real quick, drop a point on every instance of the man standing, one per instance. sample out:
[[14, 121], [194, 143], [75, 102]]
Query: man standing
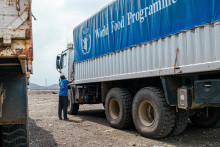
[[63, 97]]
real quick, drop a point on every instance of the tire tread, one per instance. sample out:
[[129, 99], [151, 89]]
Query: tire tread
[[169, 113], [181, 122], [127, 103], [14, 135]]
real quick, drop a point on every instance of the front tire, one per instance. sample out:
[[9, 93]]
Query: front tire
[[118, 108], [72, 109], [152, 116]]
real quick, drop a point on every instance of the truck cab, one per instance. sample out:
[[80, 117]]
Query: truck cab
[[64, 62]]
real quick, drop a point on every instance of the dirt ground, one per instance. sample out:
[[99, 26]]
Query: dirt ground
[[90, 128]]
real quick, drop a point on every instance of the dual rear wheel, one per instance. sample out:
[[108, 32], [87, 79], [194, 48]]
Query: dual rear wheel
[[152, 116], [148, 110]]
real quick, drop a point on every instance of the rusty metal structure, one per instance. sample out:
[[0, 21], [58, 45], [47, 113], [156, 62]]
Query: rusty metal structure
[[16, 32], [16, 56]]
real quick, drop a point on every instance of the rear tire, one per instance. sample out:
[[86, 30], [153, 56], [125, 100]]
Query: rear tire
[[118, 108], [152, 116], [14, 135], [201, 119], [182, 118], [72, 109]]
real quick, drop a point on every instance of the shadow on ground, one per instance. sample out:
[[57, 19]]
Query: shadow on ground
[[40, 137], [192, 136], [98, 116]]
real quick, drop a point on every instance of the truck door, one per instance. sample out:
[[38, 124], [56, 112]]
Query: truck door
[[64, 64]]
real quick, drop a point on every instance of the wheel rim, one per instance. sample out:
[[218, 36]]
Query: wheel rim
[[114, 108], [146, 113]]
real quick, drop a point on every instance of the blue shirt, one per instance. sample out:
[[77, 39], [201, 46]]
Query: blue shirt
[[63, 87]]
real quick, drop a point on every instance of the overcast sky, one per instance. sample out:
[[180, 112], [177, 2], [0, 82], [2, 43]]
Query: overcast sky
[[56, 20]]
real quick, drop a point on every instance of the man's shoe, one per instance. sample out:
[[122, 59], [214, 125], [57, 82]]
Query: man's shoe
[[60, 118], [66, 118]]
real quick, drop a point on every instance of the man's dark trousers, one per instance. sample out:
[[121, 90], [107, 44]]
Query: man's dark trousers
[[63, 104]]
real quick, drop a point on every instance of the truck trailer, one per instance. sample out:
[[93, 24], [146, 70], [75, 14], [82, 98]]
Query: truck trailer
[[152, 63], [16, 55]]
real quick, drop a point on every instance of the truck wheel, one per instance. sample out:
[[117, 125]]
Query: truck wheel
[[152, 116], [118, 108], [14, 135], [72, 108], [207, 119], [181, 122]]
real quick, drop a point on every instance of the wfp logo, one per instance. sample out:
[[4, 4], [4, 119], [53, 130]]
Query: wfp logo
[[86, 41]]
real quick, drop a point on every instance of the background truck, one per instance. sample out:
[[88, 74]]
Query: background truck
[[152, 63], [16, 55]]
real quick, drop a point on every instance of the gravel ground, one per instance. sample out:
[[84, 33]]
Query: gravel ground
[[90, 129]]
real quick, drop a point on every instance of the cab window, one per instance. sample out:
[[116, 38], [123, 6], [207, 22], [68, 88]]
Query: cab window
[[64, 61]]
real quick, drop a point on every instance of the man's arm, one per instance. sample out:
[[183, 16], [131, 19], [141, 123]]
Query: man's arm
[[71, 80]]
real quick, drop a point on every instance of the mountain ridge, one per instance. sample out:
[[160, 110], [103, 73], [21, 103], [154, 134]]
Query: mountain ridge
[[33, 86]]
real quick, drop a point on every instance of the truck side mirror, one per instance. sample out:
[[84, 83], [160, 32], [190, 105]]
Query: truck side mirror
[[58, 63]]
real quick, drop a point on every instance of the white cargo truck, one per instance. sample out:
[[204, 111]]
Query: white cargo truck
[[16, 55], [155, 63]]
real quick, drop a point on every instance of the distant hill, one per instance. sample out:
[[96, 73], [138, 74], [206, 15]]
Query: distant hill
[[33, 86], [53, 87]]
